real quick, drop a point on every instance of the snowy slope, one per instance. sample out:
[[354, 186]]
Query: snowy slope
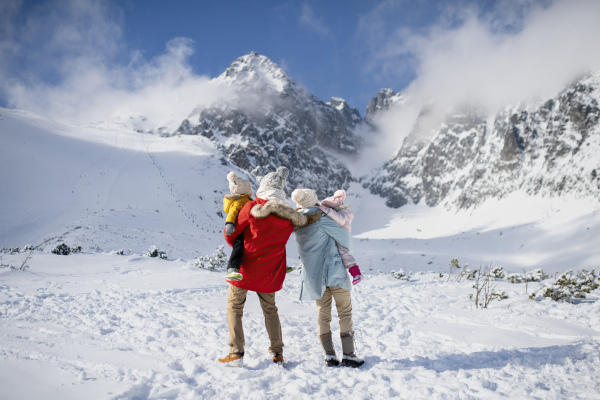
[[105, 189]]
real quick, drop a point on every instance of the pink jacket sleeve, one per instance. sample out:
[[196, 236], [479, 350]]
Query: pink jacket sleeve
[[343, 217]]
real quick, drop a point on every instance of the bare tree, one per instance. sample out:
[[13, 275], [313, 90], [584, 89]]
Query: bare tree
[[485, 289]]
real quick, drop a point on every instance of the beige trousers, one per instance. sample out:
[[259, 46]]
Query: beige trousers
[[236, 298], [343, 304]]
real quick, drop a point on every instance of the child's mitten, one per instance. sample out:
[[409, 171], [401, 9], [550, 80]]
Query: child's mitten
[[229, 228], [356, 275]]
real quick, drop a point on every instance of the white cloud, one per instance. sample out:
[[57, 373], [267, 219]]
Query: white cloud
[[530, 50], [75, 68], [312, 22]]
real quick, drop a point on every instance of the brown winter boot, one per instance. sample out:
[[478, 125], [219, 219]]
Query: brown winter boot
[[330, 357], [349, 359], [233, 359], [278, 358]]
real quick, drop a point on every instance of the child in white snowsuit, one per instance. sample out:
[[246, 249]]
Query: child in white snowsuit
[[241, 192], [335, 209]]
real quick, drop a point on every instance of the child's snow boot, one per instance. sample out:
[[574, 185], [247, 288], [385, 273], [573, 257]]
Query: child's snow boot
[[233, 275], [331, 359], [349, 359], [352, 361]]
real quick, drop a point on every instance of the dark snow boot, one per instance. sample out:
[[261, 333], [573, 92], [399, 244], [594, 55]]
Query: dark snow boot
[[331, 359], [352, 361], [349, 359]]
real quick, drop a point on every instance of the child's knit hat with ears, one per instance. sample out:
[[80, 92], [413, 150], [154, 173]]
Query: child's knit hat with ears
[[336, 200], [305, 198], [239, 185]]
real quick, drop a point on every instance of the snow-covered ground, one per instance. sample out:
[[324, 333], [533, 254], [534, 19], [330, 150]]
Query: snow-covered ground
[[129, 327], [103, 325]]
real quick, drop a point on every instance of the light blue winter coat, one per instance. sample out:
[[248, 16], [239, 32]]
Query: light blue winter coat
[[321, 262]]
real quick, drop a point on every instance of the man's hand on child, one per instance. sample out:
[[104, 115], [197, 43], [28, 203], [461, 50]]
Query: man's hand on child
[[229, 228]]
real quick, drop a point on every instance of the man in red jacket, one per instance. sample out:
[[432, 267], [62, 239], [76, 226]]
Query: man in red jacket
[[267, 224]]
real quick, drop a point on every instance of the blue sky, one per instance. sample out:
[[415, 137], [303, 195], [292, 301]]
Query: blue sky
[[55, 55], [321, 44]]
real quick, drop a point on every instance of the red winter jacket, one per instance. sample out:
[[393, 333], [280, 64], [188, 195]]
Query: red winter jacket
[[267, 226]]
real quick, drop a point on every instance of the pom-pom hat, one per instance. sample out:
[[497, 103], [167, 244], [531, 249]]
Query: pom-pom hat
[[305, 198], [239, 185], [271, 185]]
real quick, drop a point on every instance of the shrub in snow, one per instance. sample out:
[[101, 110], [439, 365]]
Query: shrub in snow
[[64, 250], [453, 266], [537, 275], [498, 273], [400, 274], [155, 252], [24, 263], [569, 285], [218, 260], [16, 250], [465, 272], [485, 290], [515, 278]]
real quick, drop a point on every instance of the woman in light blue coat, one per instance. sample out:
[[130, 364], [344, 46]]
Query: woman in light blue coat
[[324, 276]]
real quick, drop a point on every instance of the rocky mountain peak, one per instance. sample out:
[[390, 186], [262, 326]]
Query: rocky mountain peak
[[254, 71], [385, 99], [351, 114], [272, 121]]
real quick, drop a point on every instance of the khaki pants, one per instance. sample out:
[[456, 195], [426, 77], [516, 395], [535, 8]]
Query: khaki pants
[[343, 304], [236, 299]]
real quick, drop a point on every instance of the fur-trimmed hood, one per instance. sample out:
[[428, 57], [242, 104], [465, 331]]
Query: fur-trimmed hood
[[285, 211]]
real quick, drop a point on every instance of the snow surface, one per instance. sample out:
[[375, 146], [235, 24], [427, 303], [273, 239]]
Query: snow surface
[[103, 325], [129, 327]]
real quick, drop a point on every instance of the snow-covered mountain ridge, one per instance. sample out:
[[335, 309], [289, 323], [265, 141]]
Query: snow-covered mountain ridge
[[264, 119], [550, 150], [272, 121], [269, 120]]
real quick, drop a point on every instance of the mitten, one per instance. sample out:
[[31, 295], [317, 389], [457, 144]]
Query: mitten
[[325, 209], [229, 228], [356, 275]]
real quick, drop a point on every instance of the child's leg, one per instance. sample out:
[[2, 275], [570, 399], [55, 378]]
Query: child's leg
[[235, 260], [347, 258]]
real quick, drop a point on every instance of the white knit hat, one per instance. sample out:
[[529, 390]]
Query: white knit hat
[[239, 185], [271, 185], [305, 198]]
